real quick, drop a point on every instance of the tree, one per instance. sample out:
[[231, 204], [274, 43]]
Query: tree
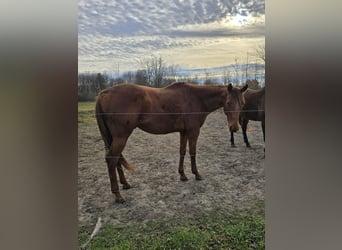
[[157, 73], [141, 77], [260, 52], [170, 74], [128, 76], [100, 82], [89, 84], [260, 55], [208, 79], [226, 77], [237, 69], [246, 66], [154, 70]]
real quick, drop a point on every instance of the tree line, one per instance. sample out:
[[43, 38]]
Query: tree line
[[155, 72]]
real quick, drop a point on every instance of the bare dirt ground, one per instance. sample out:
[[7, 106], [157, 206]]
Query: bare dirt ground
[[233, 178]]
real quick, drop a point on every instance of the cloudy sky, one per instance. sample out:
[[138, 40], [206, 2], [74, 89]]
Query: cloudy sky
[[188, 33]]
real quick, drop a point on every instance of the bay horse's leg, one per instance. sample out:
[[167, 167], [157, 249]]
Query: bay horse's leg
[[112, 159], [244, 131], [123, 181], [232, 144], [182, 152], [192, 150]]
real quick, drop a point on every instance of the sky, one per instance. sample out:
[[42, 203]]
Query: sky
[[191, 34]]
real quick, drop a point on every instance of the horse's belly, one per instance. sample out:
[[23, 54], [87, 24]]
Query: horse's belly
[[157, 131], [160, 125], [255, 116]]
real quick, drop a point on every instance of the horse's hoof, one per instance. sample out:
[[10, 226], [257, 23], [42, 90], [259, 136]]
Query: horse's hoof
[[121, 200], [184, 178], [126, 186], [248, 146], [233, 145], [199, 177]]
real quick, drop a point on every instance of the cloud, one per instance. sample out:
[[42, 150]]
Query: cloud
[[123, 31]]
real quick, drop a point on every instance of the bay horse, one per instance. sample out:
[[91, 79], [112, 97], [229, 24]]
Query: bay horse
[[253, 109], [180, 107]]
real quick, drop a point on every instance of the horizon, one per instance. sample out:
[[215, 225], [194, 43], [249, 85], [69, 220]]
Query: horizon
[[201, 74]]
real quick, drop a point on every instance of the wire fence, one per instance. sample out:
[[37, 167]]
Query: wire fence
[[173, 113]]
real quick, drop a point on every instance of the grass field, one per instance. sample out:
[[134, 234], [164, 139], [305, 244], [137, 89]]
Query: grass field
[[86, 113], [215, 230]]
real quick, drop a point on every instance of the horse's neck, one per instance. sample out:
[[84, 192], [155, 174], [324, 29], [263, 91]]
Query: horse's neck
[[212, 97]]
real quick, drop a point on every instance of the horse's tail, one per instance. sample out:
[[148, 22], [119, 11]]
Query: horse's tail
[[105, 132], [128, 166], [101, 122]]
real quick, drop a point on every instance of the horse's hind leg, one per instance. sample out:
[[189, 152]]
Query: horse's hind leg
[[112, 162], [112, 158], [182, 151], [244, 132], [192, 150], [123, 181]]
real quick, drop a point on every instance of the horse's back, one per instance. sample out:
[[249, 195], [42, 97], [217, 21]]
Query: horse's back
[[122, 98]]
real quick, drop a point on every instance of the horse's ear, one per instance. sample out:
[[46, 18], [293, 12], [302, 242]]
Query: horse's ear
[[230, 87], [244, 88]]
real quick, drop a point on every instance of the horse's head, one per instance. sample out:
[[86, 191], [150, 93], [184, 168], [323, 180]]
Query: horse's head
[[234, 103]]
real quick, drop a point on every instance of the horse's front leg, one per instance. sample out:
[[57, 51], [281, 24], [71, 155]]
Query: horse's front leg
[[182, 151], [192, 150], [244, 132], [232, 143]]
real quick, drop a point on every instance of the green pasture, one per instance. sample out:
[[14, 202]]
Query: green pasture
[[215, 230], [86, 113]]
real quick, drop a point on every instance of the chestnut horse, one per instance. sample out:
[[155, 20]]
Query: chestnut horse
[[254, 109], [180, 107]]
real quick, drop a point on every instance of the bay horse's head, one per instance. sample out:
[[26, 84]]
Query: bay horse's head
[[234, 103]]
